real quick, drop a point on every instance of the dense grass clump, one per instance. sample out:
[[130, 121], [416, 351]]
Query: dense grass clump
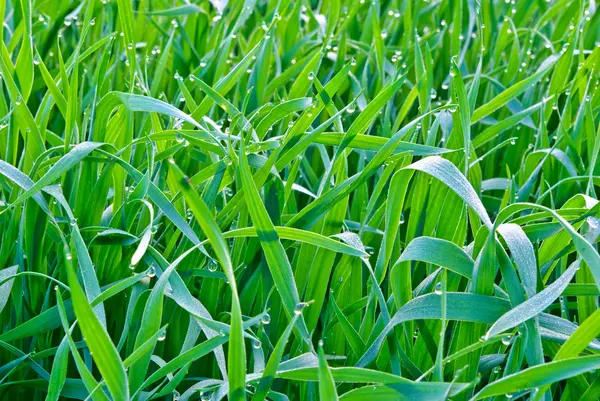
[[299, 200]]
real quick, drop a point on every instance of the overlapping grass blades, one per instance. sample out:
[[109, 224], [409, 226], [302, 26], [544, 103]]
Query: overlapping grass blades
[[289, 200]]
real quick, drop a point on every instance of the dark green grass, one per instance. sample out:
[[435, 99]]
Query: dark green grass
[[390, 200]]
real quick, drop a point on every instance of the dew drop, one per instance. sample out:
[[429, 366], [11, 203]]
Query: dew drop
[[266, 319], [438, 288], [300, 307], [507, 339], [256, 344], [311, 76], [212, 265]]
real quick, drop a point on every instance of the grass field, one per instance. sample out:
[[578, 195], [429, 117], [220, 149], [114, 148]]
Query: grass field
[[299, 200]]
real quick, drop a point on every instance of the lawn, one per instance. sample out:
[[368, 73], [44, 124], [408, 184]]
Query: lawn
[[299, 200]]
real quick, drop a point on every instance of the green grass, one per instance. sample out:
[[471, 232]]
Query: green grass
[[299, 200]]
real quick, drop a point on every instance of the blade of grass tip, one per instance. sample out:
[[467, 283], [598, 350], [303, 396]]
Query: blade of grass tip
[[58, 373], [35, 141], [307, 237], [439, 252], [583, 246], [86, 376], [78, 153], [134, 102], [447, 172], [237, 352], [523, 254], [146, 235], [489, 309], [53, 89], [535, 304], [540, 375], [24, 60], [514, 90], [6, 287], [101, 347], [327, 389], [441, 289]]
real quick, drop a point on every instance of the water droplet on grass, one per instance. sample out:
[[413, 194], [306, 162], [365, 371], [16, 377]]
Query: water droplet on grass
[[300, 307]]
